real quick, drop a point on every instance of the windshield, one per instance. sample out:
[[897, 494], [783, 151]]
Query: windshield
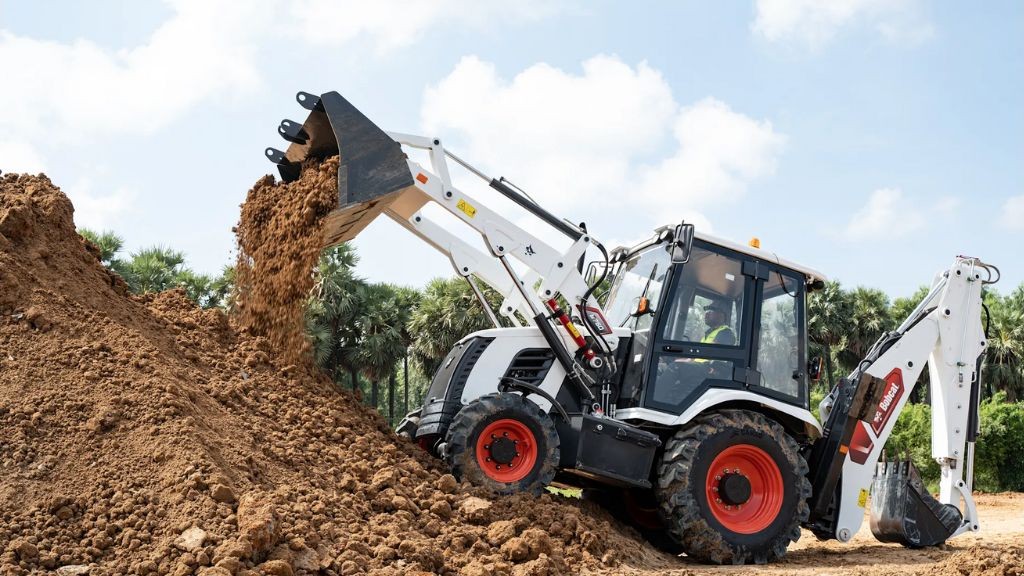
[[628, 285]]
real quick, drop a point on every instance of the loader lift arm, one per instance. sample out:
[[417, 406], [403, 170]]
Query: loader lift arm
[[376, 177], [945, 333]]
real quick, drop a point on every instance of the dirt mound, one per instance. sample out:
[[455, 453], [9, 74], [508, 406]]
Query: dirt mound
[[983, 560], [143, 435]]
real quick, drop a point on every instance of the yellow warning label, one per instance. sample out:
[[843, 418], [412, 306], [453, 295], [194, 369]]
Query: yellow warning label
[[466, 208], [862, 498], [572, 330]]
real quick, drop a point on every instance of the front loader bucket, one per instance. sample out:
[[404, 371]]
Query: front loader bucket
[[372, 172], [903, 511]]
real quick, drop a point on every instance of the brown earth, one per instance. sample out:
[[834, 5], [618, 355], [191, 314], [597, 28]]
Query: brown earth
[[140, 435], [996, 550]]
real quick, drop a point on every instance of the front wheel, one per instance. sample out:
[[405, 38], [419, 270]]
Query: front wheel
[[503, 442], [733, 488]]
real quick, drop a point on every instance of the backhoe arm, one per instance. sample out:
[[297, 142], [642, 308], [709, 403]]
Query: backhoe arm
[[944, 332]]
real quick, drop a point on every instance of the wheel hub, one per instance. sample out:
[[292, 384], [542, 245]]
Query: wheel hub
[[734, 489], [503, 450], [506, 450]]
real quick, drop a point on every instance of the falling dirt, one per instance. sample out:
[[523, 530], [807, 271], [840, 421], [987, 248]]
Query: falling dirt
[[141, 435], [279, 241]]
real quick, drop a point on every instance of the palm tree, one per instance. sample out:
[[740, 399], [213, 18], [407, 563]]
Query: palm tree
[[829, 313], [869, 319], [109, 245], [447, 311], [1004, 360], [331, 313]]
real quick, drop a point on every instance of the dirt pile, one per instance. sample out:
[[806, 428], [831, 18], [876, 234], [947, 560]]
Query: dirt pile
[[142, 435], [983, 560]]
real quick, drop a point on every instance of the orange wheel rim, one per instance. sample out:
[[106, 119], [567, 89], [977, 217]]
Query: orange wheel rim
[[506, 450], [744, 489]]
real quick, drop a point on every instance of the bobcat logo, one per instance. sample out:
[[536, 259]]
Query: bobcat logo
[[529, 250]]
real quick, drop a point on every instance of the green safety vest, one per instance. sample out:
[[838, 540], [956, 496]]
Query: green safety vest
[[709, 338]]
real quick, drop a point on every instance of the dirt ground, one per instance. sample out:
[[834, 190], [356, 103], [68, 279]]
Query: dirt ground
[[997, 549]]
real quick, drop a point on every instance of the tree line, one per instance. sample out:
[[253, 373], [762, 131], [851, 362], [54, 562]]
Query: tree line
[[386, 341]]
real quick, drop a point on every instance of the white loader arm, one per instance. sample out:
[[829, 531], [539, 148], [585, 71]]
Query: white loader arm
[[470, 262], [945, 332]]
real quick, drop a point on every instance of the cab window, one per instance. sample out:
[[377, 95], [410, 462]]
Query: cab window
[[708, 307]]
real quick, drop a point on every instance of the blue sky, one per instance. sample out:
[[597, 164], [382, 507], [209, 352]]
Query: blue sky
[[872, 140]]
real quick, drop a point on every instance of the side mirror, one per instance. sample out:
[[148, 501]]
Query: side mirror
[[815, 367], [682, 243]]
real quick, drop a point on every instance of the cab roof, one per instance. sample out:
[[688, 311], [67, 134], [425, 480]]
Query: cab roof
[[759, 253]]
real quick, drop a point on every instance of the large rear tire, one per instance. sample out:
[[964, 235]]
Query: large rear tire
[[504, 443], [733, 488]]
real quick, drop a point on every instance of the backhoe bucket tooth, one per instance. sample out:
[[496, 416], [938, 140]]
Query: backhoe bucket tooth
[[903, 511], [373, 172]]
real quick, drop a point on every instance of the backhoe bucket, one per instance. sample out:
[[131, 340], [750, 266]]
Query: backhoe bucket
[[372, 173], [903, 511]]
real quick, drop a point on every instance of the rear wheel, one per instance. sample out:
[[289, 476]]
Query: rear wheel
[[503, 442], [733, 488]]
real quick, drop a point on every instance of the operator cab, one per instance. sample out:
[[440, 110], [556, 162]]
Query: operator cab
[[729, 317]]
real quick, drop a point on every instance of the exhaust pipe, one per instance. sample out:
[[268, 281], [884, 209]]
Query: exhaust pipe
[[373, 171], [903, 511]]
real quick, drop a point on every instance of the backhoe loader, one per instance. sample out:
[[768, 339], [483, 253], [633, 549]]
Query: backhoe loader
[[685, 395]]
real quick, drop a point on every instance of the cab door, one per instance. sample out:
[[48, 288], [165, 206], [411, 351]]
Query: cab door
[[689, 356], [764, 323]]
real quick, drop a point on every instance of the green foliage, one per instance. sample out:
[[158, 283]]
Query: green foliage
[[912, 435], [156, 269], [448, 311], [997, 463], [1004, 360]]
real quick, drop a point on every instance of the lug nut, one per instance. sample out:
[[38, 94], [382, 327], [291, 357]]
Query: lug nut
[[488, 458], [719, 500]]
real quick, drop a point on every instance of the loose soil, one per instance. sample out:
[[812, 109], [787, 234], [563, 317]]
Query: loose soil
[[141, 435]]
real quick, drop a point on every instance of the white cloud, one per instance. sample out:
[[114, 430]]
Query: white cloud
[[390, 24], [1012, 214], [887, 214], [56, 94], [78, 91], [587, 144], [816, 22], [97, 210], [718, 152], [20, 157]]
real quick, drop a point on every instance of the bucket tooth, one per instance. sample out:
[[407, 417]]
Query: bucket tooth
[[292, 131], [289, 170], [307, 100], [903, 511]]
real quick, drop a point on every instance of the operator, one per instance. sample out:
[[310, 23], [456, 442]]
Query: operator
[[718, 331]]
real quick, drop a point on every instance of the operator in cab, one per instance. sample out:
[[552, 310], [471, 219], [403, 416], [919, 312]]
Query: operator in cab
[[718, 331]]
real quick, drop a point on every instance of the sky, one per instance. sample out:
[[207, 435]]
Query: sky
[[872, 140]]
